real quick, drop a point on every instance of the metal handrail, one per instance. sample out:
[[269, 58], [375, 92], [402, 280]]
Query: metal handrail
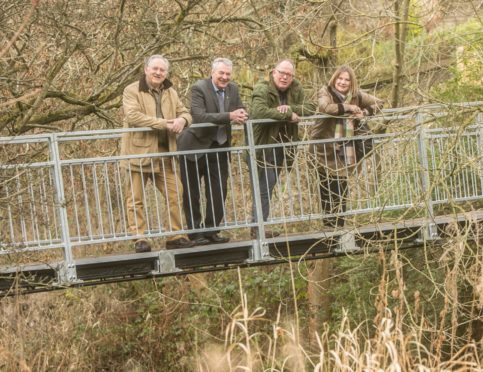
[[66, 203]]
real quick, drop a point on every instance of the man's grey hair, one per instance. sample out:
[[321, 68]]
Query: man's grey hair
[[156, 56], [286, 60], [220, 61]]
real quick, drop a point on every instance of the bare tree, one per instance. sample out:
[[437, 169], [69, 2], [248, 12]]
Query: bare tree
[[401, 13]]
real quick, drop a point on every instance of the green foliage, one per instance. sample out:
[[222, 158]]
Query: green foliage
[[461, 87], [355, 289], [414, 29]]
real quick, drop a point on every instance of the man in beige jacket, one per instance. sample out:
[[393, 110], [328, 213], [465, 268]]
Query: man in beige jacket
[[152, 102]]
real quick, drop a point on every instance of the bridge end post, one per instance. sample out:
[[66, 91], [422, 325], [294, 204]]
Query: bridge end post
[[68, 272], [260, 246], [166, 263]]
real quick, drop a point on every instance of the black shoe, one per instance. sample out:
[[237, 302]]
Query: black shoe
[[179, 243], [217, 239], [142, 246], [201, 241]]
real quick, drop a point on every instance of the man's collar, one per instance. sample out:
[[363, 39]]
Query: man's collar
[[157, 89], [144, 87], [216, 88]]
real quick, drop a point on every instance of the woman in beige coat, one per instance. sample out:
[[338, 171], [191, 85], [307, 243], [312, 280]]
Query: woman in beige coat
[[343, 100]]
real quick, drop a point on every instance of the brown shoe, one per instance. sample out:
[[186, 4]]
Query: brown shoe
[[142, 246], [179, 243]]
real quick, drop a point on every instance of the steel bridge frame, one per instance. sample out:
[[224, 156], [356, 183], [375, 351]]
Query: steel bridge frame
[[72, 271]]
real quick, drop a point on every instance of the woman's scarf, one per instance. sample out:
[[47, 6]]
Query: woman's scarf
[[345, 128]]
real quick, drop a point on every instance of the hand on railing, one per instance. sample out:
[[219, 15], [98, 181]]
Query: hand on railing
[[176, 125], [238, 116]]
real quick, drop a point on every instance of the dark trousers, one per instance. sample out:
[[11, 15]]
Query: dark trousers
[[333, 194], [270, 165], [213, 168]]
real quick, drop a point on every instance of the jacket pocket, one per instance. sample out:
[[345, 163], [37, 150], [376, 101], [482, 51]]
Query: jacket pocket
[[142, 139]]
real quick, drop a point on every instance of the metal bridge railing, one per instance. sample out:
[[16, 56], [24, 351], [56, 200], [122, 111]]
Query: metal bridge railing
[[53, 198]]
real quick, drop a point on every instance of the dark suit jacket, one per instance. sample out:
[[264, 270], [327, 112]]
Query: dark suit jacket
[[205, 109]]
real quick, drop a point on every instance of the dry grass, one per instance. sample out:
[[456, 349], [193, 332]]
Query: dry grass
[[135, 328]]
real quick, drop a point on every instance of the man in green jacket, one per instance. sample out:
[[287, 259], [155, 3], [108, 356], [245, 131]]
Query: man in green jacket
[[281, 98]]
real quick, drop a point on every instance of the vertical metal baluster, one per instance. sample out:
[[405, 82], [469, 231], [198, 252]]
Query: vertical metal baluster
[[299, 190], [107, 189], [44, 205], [374, 190], [223, 197], [33, 210], [179, 194], [10, 216], [120, 199], [435, 154], [74, 199], [479, 142], [130, 172], [21, 210], [467, 165], [362, 179], [232, 187], [242, 189], [471, 153], [265, 167], [98, 203], [166, 198], [357, 201], [155, 190], [310, 194], [185, 160], [210, 188], [288, 174], [145, 203], [86, 203], [416, 170], [321, 181]]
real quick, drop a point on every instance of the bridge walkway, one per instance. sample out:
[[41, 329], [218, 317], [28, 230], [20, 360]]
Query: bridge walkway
[[63, 210]]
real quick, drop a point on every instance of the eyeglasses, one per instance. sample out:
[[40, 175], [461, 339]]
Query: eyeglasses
[[288, 75]]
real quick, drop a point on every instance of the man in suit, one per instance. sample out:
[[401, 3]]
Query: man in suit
[[214, 100]]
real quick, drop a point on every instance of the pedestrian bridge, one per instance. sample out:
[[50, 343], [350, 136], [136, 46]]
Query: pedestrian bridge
[[419, 180]]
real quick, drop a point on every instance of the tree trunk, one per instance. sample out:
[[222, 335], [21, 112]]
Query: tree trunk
[[333, 43], [401, 11], [318, 295]]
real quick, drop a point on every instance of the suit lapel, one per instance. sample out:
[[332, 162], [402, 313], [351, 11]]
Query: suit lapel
[[211, 93]]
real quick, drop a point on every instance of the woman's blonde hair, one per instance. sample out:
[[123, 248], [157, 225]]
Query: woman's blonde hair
[[354, 88]]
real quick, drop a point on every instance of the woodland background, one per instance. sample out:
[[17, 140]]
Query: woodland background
[[63, 67]]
